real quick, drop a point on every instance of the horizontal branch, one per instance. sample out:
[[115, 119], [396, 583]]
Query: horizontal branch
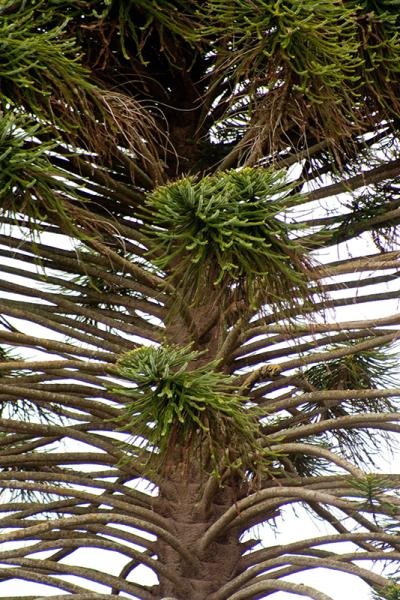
[[303, 545], [255, 590], [31, 532], [374, 262], [337, 563], [10, 556], [51, 365], [299, 330], [375, 175], [326, 397], [319, 451], [319, 357], [84, 596], [365, 420], [35, 576], [244, 510], [85, 573], [21, 339]]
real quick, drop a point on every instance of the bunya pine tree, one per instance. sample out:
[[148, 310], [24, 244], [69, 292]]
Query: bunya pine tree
[[199, 274]]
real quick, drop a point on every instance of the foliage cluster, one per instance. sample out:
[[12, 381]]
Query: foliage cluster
[[188, 413], [227, 231], [364, 369]]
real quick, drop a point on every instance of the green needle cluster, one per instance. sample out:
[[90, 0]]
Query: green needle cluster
[[176, 406]]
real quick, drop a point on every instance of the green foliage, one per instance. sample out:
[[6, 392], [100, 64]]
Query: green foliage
[[6, 354], [224, 232], [373, 203], [389, 592], [40, 66], [308, 465], [370, 487], [365, 369], [21, 163], [12, 407], [304, 53], [302, 34], [181, 409], [43, 74], [160, 18], [380, 51], [324, 67], [27, 175]]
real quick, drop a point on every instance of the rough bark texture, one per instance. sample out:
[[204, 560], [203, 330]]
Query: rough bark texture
[[180, 501]]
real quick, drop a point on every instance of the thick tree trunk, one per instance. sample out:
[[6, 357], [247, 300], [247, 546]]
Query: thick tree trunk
[[180, 501], [182, 494]]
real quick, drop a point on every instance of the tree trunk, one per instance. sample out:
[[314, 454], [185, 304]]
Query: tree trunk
[[182, 502]]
